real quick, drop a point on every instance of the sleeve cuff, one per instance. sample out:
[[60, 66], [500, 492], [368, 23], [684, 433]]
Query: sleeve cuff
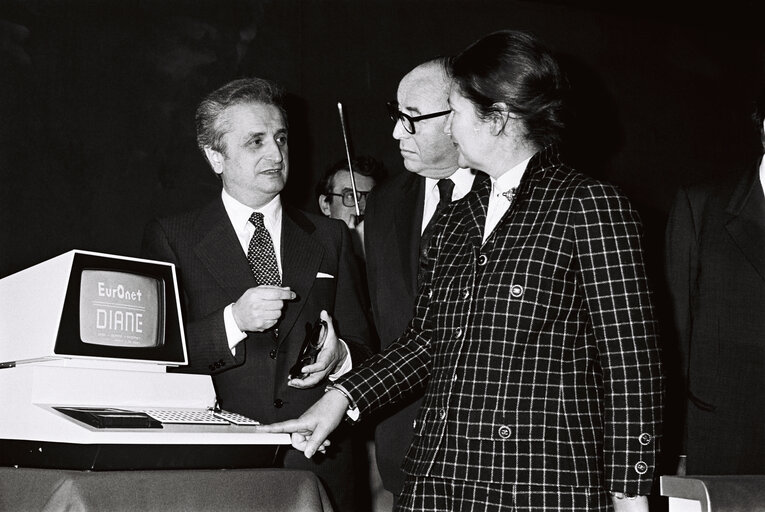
[[345, 367], [233, 334]]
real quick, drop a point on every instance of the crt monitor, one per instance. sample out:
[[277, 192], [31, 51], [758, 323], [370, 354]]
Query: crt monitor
[[120, 309], [85, 305]]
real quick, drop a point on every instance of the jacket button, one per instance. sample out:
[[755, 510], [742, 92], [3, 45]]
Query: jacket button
[[504, 432], [442, 414], [458, 332], [211, 367], [641, 467], [465, 293], [278, 403], [644, 439], [414, 425], [482, 259], [430, 292], [272, 354], [455, 377], [516, 290]]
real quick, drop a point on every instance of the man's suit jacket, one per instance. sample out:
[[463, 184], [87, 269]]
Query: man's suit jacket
[[392, 225], [538, 348], [716, 274], [213, 273]]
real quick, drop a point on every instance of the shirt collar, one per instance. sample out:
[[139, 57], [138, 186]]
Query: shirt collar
[[509, 179], [240, 213], [463, 182]]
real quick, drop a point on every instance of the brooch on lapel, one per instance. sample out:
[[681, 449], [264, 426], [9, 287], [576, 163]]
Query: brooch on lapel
[[510, 194]]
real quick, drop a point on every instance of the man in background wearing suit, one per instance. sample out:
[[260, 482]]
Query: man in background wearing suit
[[715, 264], [255, 273], [397, 215]]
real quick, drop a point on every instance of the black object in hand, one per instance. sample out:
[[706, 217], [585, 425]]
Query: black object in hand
[[314, 339]]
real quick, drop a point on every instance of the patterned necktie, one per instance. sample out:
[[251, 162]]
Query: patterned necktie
[[260, 254], [445, 188]]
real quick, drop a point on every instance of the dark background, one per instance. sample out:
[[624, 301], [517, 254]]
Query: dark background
[[97, 99]]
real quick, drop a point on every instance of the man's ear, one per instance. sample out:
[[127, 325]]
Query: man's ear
[[215, 158], [324, 204]]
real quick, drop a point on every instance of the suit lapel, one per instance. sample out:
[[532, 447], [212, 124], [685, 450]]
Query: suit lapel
[[407, 227], [747, 225], [478, 204], [220, 251], [301, 257]]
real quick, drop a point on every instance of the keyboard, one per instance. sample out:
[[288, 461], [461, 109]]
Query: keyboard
[[199, 417]]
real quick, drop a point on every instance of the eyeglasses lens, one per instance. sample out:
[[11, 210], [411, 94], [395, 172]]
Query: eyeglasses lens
[[348, 198], [396, 115]]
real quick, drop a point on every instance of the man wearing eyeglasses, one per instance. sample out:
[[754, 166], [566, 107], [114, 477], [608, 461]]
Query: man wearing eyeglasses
[[335, 190], [396, 222]]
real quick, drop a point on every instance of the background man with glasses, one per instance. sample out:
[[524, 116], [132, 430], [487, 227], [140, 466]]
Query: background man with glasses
[[395, 231], [336, 194]]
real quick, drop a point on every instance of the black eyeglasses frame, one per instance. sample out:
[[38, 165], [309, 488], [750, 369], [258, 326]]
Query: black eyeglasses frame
[[396, 115], [361, 196]]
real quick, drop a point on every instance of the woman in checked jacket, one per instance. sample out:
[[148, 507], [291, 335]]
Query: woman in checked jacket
[[533, 333]]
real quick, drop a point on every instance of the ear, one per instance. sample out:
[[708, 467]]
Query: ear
[[324, 204], [500, 116], [215, 158]]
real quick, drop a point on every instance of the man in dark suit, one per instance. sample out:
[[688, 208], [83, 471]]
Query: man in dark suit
[[397, 214], [715, 264], [533, 333], [256, 273]]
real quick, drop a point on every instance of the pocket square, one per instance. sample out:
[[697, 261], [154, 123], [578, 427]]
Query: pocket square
[[322, 275]]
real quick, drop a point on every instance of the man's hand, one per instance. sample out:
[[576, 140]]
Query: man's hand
[[261, 307], [311, 429], [331, 355]]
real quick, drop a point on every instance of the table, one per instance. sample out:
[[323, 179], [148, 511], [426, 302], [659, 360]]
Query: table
[[253, 490]]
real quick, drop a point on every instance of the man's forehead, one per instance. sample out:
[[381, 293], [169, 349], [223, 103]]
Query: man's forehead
[[342, 179], [422, 93], [254, 116]]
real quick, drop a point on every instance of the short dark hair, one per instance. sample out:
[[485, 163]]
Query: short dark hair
[[758, 116], [517, 69], [242, 91], [363, 165]]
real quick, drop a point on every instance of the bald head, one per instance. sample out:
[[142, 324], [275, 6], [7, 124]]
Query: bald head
[[429, 79], [429, 151]]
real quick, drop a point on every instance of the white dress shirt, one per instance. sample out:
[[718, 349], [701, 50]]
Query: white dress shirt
[[762, 174], [498, 203], [239, 215], [463, 183]]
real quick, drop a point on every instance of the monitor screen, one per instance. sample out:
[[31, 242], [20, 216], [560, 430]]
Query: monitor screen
[[119, 309]]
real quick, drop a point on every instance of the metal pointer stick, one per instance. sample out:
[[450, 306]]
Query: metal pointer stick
[[348, 156]]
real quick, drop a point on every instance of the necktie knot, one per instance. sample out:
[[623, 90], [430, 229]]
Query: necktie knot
[[256, 219], [445, 189]]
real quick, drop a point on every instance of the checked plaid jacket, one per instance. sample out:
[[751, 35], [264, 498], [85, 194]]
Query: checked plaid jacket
[[538, 348]]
